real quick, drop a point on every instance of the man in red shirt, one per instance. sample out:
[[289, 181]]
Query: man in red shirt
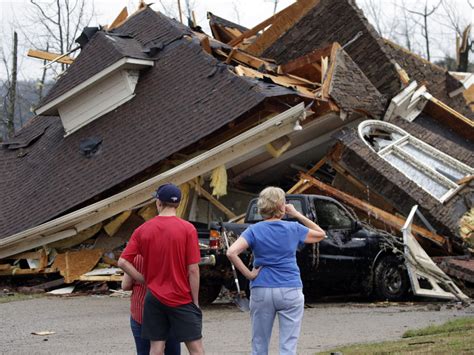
[[170, 249]]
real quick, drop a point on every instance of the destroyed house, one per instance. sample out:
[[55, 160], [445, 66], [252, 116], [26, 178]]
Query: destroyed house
[[423, 100], [150, 101]]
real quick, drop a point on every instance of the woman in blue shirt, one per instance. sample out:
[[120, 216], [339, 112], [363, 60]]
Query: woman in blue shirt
[[275, 279]]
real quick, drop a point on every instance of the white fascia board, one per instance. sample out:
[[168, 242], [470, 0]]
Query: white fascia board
[[131, 63], [79, 220], [467, 81]]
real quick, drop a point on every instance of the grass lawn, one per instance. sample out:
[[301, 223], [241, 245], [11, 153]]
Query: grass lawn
[[453, 337]]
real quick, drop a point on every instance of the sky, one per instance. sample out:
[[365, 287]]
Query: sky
[[246, 12]]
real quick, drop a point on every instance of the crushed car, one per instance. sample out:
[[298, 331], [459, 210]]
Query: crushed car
[[355, 258]]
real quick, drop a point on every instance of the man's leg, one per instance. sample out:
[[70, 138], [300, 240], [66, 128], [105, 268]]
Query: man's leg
[[195, 347], [262, 314], [155, 326], [290, 309], [157, 347], [186, 326]]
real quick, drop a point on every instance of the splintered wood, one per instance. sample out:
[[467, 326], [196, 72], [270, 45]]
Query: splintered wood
[[376, 213]]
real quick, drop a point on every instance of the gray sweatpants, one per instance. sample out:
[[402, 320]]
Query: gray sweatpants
[[265, 304]]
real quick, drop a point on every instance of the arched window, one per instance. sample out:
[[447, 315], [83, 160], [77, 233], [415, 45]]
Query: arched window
[[435, 172]]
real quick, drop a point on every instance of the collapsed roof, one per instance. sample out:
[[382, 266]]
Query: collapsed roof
[[186, 87]]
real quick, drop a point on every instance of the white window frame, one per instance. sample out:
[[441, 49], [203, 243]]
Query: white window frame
[[394, 148]]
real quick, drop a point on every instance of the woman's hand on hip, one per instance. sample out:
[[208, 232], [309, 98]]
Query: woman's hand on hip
[[254, 273]]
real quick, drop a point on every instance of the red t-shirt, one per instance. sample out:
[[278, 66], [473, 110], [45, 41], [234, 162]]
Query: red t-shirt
[[138, 293], [168, 245]]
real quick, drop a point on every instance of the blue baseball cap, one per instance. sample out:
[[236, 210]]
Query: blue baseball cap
[[168, 193]]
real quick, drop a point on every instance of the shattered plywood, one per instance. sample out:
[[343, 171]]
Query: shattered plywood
[[72, 265]]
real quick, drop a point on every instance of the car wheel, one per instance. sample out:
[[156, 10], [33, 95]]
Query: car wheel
[[391, 279], [208, 293]]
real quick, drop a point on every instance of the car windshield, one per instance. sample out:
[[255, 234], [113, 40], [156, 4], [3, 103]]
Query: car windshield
[[331, 216], [254, 216]]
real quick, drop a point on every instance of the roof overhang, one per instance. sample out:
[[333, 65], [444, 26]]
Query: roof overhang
[[51, 108], [72, 223]]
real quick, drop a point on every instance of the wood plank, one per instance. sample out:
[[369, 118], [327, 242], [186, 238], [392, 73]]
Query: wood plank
[[282, 22], [213, 200], [376, 213], [377, 199], [34, 53], [253, 31], [5, 267], [281, 80], [328, 77], [313, 58], [17, 271], [250, 60], [301, 182], [106, 278], [121, 18]]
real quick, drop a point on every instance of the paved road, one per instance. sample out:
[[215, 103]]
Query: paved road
[[99, 325]]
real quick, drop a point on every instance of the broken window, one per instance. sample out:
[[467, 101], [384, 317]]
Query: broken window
[[435, 172], [331, 216]]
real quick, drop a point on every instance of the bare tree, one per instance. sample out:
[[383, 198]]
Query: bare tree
[[381, 17], [12, 88], [424, 26], [461, 25], [9, 87]]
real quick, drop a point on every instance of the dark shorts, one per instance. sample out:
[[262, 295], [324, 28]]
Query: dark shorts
[[184, 321]]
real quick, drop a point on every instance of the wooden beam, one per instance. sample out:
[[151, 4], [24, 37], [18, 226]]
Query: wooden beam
[[117, 278], [253, 31], [17, 271], [34, 53], [313, 58], [450, 118], [213, 200], [381, 202], [121, 18], [281, 23], [376, 213], [326, 80]]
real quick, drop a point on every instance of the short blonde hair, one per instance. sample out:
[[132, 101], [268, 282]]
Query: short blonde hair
[[269, 202]]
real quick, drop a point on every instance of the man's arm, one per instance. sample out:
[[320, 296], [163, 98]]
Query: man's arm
[[193, 277], [127, 282], [128, 268]]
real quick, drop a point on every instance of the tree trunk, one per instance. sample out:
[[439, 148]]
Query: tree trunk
[[12, 91]]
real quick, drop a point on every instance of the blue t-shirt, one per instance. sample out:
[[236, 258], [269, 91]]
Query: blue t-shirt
[[274, 247]]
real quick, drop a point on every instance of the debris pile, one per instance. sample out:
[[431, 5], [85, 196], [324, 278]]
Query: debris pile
[[312, 96]]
